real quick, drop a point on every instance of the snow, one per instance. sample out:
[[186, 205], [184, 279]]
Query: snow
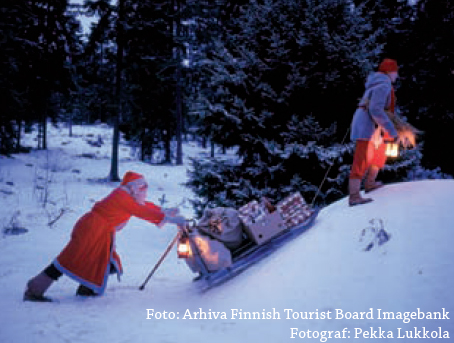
[[325, 270], [85, 21]]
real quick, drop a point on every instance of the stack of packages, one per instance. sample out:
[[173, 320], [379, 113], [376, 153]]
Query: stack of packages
[[259, 223], [263, 221], [294, 210], [253, 212]]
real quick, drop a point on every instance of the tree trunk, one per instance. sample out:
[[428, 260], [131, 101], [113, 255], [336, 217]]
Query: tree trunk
[[42, 126], [46, 107], [179, 126], [167, 147], [116, 120], [70, 122], [179, 113], [18, 135]]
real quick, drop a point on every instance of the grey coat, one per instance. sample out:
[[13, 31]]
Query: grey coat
[[378, 91]]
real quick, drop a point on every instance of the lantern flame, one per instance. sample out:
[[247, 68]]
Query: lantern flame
[[392, 149], [183, 248]]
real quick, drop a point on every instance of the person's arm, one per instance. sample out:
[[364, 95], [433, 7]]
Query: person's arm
[[377, 105], [148, 211]]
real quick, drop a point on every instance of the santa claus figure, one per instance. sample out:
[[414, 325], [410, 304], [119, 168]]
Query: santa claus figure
[[90, 256]]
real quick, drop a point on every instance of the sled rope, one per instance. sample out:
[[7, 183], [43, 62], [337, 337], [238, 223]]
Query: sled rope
[[326, 174]]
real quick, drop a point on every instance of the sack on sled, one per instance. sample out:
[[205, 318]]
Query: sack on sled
[[214, 254], [219, 231], [223, 224]]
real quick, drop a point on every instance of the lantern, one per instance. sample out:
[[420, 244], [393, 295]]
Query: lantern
[[392, 149], [183, 248]]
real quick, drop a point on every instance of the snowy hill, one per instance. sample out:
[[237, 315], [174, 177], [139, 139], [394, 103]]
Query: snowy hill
[[332, 270]]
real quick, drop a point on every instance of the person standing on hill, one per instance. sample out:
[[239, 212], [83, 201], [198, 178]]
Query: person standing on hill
[[371, 127], [90, 256]]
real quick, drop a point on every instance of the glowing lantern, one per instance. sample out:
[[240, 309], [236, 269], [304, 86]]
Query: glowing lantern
[[183, 248], [392, 149]]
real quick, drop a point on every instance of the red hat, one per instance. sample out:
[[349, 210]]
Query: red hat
[[388, 65], [130, 176]]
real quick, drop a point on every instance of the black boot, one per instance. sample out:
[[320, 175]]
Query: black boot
[[36, 288], [198, 277], [37, 298], [86, 292]]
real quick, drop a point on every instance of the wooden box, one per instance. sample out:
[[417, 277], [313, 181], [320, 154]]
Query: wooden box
[[265, 227]]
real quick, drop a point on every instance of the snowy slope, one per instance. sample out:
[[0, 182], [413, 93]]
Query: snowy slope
[[326, 270]]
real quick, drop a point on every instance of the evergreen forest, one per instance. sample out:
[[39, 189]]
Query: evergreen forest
[[277, 81]]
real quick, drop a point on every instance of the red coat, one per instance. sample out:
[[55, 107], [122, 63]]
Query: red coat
[[91, 250]]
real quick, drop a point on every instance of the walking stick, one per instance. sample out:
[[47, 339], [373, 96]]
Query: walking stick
[[160, 260]]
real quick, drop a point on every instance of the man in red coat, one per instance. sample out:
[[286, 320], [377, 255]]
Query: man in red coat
[[90, 255]]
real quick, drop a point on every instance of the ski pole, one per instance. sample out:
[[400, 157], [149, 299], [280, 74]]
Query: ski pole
[[172, 243]]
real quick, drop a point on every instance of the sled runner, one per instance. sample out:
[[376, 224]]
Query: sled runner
[[266, 228]]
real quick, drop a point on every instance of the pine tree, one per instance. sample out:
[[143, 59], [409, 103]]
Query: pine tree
[[286, 62], [39, 40], [153, 59], [14, 60], [426, 51], [94, 95]]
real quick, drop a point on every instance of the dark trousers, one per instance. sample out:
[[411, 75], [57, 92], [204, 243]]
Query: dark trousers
[[52, 272]]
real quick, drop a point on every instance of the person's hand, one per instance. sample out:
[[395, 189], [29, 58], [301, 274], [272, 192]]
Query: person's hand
[[177, 220], [171, 212], [395, 140]]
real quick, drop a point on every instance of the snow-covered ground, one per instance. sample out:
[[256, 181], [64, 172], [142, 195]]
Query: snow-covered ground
[[327, 270]]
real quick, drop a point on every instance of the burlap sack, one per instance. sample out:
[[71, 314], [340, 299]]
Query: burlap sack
[[224, 225], [214, 254]]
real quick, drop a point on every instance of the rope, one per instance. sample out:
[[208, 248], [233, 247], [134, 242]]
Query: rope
[[326, 174]]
